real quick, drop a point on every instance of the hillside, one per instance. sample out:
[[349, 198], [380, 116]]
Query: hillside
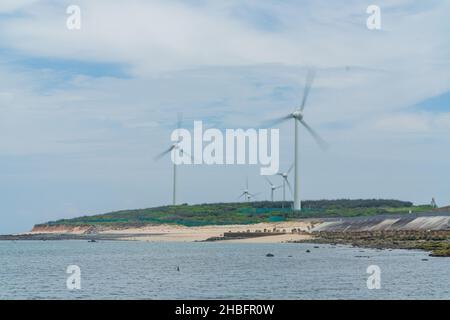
[[240, 213]]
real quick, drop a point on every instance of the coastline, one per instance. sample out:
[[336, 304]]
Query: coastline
[[279, 232], [429, 233]]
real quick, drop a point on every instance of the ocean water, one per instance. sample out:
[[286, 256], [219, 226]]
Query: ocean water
[[141, 270]]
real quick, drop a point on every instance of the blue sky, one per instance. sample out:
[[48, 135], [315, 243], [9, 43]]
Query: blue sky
[[83, 113], [437, 104]]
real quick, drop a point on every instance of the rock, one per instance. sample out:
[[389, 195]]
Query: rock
[[269, 255], [308, 251]]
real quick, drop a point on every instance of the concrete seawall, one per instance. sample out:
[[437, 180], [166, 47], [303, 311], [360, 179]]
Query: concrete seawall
[[423, 222]]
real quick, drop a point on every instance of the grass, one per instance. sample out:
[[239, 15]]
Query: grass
[[242, 213]]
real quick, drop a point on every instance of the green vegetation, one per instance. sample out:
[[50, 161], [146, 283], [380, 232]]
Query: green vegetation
[[242, 213], [437, 248]]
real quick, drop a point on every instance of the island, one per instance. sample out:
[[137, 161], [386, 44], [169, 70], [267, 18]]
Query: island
[[374, 223]]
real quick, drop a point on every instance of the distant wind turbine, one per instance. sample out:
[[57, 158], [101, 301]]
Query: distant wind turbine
[[272, 188], [285, 175], [175, 146], [298, 117], [246, 193]]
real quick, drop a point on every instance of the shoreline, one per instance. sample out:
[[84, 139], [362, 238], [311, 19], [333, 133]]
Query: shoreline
[[430, 233], [435, 247], [436, 243], [279, 232]]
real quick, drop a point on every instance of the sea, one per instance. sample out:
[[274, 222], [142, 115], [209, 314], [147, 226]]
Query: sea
[[207, 270]]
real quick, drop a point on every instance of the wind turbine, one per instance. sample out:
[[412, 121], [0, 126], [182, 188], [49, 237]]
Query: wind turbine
[[272, 188], [285, 175], [175, 146], [298, 117], [246, 193]]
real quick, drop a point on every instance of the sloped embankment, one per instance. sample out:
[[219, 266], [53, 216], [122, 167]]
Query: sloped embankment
[[386, 223], [426, 232]]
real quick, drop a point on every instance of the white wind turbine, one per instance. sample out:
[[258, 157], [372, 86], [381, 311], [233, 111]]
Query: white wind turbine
[[298, 117], [246, 193], [175, 146], [285, 175], [272, 188]]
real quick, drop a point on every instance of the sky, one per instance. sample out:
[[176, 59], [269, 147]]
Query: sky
[[84, 112]]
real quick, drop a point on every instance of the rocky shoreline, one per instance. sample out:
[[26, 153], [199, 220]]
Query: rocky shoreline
[[436, 242]]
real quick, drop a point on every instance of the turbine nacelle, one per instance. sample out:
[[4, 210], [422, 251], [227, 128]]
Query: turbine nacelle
[[283, 174], [297, 115]]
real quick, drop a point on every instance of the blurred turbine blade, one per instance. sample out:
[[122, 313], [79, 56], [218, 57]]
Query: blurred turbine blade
[[179, 120], [289, 186], [290, 169], [321, 142], [254, 195], [274, 122], [179, 124], [268, 181], [162, 154], [308, 84]]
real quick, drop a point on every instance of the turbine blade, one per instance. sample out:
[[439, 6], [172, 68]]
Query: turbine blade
[[179, 124], [179, 120], [308, 84], [162, 154], [321, 142], [274, 122], [290, 169], [289, 186], [268, 181]]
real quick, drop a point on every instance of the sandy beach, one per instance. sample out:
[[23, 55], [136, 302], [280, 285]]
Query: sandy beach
[[173, 233], [252, 233]]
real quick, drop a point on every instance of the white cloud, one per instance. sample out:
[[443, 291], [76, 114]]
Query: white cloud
[[9, 6], [162, 35], [409, 123], [431, 124], [205, 61]]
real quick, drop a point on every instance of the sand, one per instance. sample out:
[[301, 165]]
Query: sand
[[171, 233]]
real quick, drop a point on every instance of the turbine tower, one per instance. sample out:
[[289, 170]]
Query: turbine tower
[[298, 118], [272, 188], [175, 146]]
